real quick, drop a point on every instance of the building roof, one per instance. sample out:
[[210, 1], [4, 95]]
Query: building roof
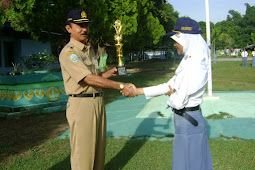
[[250, 46]]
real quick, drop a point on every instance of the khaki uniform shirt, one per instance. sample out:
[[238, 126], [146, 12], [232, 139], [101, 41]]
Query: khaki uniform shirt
[[77, 61]]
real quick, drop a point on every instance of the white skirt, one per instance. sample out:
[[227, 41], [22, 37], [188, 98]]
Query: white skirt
[[190, 146]]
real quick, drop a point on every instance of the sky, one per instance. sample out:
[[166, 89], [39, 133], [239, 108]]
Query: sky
[[218, 9]]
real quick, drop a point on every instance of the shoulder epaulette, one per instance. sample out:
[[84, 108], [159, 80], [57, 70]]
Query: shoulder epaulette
[[70, 52]]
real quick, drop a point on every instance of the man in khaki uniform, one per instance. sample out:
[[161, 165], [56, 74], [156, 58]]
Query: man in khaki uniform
[[85, 108]]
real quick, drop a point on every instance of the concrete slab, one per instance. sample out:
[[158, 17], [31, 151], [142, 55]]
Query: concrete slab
[[149, 119]]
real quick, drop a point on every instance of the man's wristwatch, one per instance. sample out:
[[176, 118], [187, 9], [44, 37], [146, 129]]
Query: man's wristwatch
[[121, 86]]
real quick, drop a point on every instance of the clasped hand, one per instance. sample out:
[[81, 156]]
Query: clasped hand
[[129, 90]]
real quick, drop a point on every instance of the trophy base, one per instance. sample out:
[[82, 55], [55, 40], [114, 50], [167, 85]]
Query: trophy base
[[122, 71]]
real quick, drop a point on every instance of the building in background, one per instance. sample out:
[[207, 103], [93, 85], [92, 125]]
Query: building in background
[[14, 45]]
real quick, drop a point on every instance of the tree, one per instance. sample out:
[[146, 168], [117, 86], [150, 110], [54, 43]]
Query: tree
[[150, 31], [101, 30], [236, 31], [126, 12], [202, 25], [225, 34], [144, 21], [235, 16], [168, 18], [253, 37], [155, 30], [17, 12], [2, 19], [249, 19]]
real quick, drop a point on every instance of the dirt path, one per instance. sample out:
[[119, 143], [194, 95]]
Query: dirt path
[[231, 59]]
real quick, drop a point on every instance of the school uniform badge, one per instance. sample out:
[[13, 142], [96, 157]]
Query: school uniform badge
[[74, 58]]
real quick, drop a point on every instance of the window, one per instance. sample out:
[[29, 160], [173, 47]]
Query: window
[[8, 53], [0, 54]]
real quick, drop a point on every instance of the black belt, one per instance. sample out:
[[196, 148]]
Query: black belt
[[87, 95], [182, 112]]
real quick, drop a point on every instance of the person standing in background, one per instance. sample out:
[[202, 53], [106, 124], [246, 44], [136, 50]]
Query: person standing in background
[[101, 53], [253, 58], [244, 56]]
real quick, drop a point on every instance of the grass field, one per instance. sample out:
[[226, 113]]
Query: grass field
[[53, 153], [231, 76]]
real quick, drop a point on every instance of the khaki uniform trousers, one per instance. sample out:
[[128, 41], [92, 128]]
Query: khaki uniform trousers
[[87, 120]]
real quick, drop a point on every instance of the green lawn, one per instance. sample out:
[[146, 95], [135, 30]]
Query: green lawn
[[234, 154], [229, 56], [231, 76], [125, 153]]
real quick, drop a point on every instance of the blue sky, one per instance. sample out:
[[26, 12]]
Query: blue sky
[[218, 9]]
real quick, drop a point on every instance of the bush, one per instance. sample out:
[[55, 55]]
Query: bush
[[38, 61]]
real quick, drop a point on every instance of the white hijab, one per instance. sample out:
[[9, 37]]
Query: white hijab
[[194, 63]]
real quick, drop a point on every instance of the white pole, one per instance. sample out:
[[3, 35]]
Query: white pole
[[208, 35]]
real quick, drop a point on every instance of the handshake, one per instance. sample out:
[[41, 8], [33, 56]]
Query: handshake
[[130, 90]]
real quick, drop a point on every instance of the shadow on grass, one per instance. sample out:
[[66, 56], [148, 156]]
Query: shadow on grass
[[20, 135], [17, 135], [137, 141], [64, 165]]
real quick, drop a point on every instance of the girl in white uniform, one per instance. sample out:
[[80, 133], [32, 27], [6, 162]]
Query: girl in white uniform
[[190, 147]]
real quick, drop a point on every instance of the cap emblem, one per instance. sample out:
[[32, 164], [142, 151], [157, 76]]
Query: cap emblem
[[83, 14], [186, 28]]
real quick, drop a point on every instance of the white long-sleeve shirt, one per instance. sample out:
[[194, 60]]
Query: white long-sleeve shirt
[[244, 54], [182, 85], [180, 98], [191, 76]]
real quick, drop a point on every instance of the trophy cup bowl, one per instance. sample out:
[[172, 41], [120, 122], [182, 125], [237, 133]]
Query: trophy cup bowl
[[118, 37]]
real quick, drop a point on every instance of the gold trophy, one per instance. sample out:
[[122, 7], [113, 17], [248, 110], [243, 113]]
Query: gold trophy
[[118, 37]]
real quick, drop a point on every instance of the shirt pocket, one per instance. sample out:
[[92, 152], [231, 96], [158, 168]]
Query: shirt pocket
[[88, 63]]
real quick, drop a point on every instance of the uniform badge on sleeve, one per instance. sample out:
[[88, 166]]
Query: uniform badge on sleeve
[[74, 58]]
